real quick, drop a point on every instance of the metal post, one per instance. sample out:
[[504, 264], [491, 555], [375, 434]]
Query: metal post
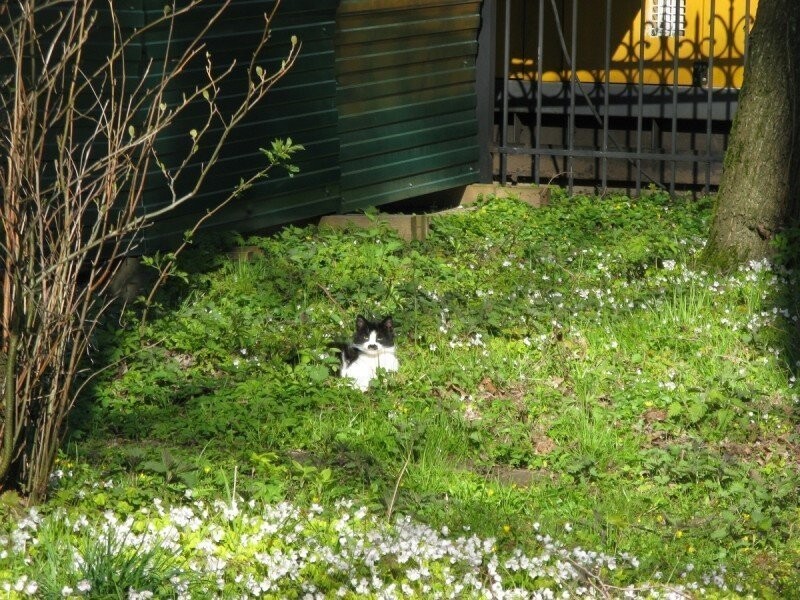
[[504, 124], [710, 89], [606, 83], [572, 87], [675, 66], [539, 74], [640, 107]]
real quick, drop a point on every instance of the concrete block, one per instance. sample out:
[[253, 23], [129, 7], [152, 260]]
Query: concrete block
[[536, 196], [416, 227], [245, 253], [408, 227]]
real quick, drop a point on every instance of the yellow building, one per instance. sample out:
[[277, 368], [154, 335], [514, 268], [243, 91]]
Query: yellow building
[[641, 31]]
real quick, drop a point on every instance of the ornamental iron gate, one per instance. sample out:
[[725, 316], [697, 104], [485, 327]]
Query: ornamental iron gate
[[618, 93]]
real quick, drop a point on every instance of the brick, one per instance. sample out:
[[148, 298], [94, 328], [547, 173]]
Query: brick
[[536, 196], [408, 227]]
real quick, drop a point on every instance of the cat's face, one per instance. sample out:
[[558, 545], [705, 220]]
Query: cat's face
[[372, 337]]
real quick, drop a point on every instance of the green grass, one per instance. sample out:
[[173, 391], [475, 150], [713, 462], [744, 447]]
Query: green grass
[[571, 372]]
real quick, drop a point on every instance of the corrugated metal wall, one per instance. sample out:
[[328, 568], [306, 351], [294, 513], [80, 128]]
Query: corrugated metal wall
[[382, 97], [406, 98], [302, 106]]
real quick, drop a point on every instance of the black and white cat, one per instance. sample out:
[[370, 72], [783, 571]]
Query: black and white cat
[[372, 348]]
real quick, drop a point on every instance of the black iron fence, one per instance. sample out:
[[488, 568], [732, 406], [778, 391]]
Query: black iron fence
[[617, 93]]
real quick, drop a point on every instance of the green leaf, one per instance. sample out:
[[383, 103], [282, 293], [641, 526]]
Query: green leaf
[[674, 409], [724, 417], [720, 533], [189, 478], [697, 410], [318, 373], [765, 524], [154, 467]]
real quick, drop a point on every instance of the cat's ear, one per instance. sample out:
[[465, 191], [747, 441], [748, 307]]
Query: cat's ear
[[361, 322], [388, 323]]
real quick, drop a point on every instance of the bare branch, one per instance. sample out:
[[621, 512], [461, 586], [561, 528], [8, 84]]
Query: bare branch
[[79, 140]]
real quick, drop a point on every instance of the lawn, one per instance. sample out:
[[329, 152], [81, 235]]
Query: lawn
[[582, 408]]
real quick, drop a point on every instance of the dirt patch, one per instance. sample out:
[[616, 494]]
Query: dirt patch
[[544, 445], [517, 477], [655, 415]]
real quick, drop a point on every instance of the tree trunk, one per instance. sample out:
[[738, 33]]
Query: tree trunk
[[758, 194]]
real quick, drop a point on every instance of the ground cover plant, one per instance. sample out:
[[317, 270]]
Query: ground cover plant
[[582, 408]]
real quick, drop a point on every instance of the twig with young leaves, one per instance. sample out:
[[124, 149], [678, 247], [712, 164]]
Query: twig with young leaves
[[280, 154]]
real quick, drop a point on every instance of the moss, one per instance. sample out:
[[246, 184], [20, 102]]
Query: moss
[[733, 151], [721, 259], [717, 256]]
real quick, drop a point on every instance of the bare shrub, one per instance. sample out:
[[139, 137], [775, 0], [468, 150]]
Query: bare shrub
[[79, 146]]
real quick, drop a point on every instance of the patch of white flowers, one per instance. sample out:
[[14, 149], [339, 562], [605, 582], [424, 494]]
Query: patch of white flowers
[[243, 550]]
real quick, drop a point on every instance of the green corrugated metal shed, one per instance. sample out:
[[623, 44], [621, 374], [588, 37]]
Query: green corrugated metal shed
[[382, 97], [302, 106], [406, 97]]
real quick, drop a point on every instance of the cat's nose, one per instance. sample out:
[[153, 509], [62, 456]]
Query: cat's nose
[[372, 347]]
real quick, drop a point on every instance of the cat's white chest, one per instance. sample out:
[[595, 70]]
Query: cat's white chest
[[364, 369]]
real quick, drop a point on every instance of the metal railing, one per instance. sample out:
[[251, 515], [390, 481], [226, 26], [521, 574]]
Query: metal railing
[[668, 105]]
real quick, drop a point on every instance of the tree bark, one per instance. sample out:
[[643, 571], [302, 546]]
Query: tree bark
[[758, 195]]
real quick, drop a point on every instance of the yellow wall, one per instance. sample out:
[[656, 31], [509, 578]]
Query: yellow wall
[[729, 35]]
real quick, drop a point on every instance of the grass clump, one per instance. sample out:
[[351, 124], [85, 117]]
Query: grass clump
[[581, 407]]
